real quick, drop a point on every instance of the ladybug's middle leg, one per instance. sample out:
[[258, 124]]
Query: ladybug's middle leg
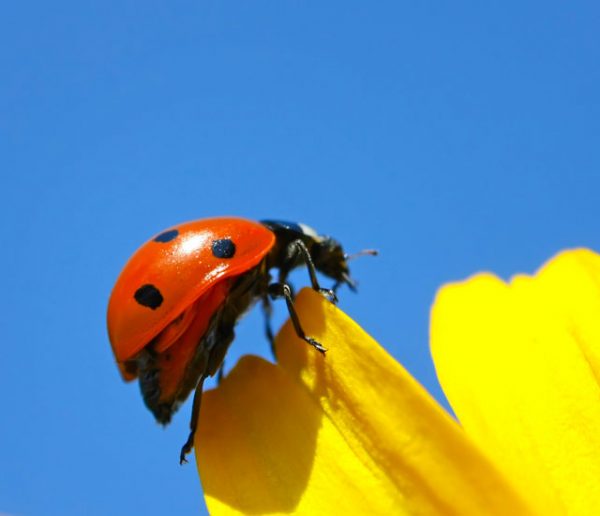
[[268, 313], [282, 290]]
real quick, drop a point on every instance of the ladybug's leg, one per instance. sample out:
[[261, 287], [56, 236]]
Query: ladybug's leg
[[282, 290], [300, 246], [221, 373], [189, 444], [268, 312]]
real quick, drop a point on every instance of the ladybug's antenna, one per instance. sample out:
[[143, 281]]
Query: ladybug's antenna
[[364, 252], [345, 277]]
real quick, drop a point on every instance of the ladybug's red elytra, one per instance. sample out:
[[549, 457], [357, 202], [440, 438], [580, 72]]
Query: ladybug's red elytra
[[172, 311]]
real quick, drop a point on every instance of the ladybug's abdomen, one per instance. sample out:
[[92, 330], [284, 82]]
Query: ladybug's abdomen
[[169, 273]]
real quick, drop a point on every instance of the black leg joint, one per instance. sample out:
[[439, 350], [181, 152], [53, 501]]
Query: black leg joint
[[298, 246]]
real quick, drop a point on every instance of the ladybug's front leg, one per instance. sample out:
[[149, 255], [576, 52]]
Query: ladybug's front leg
[[298, 246], [283, 290]]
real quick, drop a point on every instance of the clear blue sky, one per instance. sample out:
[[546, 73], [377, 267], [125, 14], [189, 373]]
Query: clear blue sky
[[452, 137]]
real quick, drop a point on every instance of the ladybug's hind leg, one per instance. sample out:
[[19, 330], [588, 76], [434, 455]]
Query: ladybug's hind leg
[[218, 342], [277, 290], [189, 444]]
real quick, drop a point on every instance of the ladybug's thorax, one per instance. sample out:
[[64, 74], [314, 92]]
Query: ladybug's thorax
[[326, 253]]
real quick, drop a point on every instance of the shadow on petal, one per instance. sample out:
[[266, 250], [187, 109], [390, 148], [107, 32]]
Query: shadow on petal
[[257, 439]]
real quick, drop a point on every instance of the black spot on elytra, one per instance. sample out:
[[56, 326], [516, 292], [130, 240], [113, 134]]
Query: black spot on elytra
[[148, 295], [167, 236], [223, 248]]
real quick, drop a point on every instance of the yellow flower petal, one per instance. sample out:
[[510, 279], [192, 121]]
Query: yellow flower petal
[[519, 365], [350, 432]]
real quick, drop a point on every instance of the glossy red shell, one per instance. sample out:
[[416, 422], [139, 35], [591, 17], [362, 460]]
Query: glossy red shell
[[182, 269]]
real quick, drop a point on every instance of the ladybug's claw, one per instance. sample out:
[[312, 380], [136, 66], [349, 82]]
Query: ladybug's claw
[[316, 344], [185, 449], [329, 294], [182, 459], [189, 444]]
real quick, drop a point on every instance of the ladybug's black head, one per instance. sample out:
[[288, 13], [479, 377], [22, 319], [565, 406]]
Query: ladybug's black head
[[331, 260], [326, 253]]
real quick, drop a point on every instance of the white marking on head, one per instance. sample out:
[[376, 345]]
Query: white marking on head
[[308, 231]]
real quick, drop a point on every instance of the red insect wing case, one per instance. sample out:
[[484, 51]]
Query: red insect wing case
[[178, 266]]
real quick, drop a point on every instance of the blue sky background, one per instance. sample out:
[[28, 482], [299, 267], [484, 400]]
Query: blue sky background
[[453, 137]]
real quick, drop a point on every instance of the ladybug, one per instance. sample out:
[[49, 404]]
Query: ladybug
[[172, 311]]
